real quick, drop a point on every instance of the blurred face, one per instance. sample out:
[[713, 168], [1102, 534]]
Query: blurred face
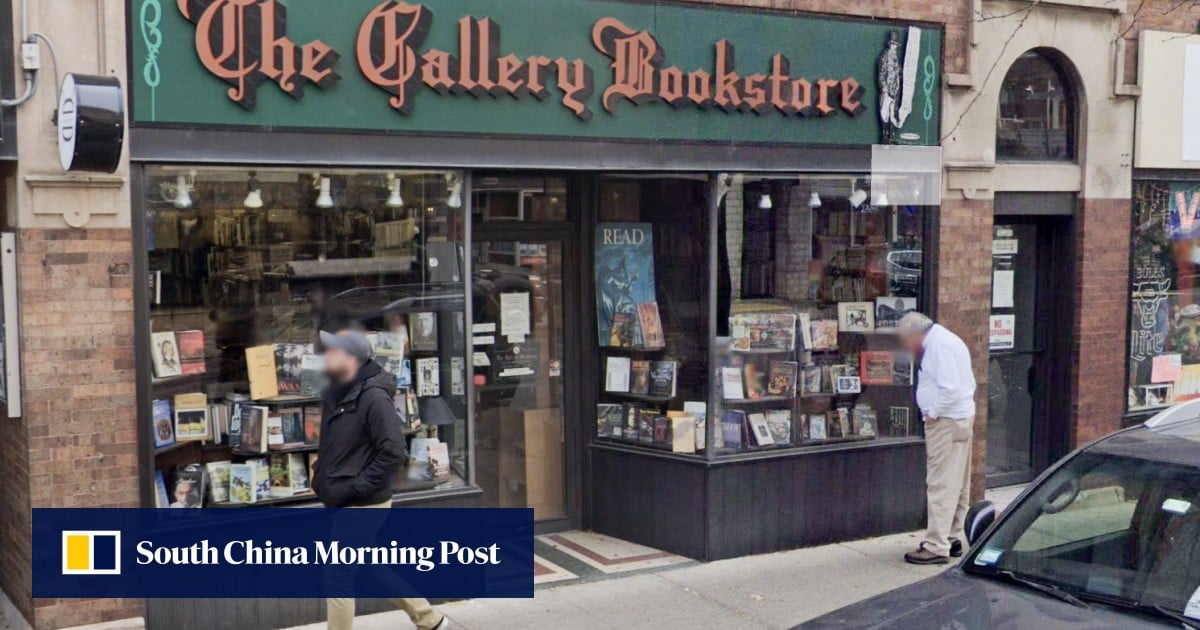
[[912, 341], [339, 366], [182, 491]]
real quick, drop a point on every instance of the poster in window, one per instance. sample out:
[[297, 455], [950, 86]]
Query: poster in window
[[624, 278], [1184, 213]]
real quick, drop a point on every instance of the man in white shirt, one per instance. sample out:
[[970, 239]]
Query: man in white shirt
[[946, 396]]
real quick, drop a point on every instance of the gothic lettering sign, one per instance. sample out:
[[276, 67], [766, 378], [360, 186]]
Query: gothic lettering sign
[[587, 68]]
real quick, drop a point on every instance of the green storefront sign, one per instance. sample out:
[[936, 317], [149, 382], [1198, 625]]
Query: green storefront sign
[[594, 69]]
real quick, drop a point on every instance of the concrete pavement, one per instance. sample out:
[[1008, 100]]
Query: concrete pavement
[[768, 591]]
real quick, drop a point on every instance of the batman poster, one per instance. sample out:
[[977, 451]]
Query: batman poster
[[624, 279]]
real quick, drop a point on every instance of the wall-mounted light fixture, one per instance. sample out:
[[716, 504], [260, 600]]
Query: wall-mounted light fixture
[[325, 196], [394, 199], [254, 199]]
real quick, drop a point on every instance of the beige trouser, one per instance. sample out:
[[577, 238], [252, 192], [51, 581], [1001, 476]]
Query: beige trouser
[[947, 481], [341, 610]]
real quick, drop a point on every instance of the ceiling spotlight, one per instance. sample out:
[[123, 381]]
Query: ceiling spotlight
[[881, 200], [325, 198], [814, 200], [454, 186], [857, 198], [394, 199], [254, 199], [765, 203]]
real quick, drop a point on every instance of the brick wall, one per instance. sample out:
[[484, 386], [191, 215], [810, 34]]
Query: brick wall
[[1101, 318], [79, 417], [955, 15], [964, 280], [1156, 15]]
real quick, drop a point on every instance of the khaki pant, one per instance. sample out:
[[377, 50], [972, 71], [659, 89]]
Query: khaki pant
[[948, 448], [341, 609]]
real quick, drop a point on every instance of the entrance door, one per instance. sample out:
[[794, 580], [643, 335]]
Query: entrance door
[[1029, 327], [524, 315]]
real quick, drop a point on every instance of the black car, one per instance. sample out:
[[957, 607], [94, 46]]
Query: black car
[[1109, 537]]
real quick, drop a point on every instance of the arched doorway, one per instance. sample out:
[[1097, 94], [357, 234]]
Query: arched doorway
[[1030, 324]]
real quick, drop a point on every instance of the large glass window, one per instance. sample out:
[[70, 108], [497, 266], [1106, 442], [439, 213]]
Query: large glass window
[[1037, 111], [813, 276], [1164, 318], [245, 266], [651, 304]]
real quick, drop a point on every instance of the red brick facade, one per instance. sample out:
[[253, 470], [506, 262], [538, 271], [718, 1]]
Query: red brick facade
[[77, 441], [1101, 326], [964, 281]]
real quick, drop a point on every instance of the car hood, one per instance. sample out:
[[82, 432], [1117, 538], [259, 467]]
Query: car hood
[[955, 600]]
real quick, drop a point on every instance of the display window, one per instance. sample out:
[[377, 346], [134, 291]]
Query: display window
[[245, 266], [1164, 318], [766, 324], [813, 275], [652, 311]]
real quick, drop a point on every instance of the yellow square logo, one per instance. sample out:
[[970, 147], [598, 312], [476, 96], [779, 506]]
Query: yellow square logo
[[91, 553]]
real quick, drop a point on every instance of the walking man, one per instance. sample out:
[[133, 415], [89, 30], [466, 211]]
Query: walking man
[[361, 450], [946, 397]]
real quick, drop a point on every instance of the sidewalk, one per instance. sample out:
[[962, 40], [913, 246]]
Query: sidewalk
[[769, 591]]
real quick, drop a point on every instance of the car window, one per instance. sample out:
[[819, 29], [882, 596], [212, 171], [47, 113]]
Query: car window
[[1119, 528]]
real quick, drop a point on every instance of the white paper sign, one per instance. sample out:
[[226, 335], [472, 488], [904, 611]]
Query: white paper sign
[[1002, 288], [1005, 246], [486, 327], [1190, 125], [1002, 332], [514, 316], [480, 359]]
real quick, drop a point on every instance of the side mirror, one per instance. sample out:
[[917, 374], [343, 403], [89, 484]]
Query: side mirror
[[979, 518]]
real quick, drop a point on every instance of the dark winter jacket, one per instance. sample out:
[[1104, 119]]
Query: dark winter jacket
[[362, 446]]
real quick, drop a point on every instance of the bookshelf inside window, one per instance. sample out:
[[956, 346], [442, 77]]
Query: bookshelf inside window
[[245, 267]]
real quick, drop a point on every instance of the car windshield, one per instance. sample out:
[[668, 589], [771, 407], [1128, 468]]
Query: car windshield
[[1117, 530]]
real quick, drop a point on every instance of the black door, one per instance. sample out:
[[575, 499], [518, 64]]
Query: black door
[[1029, 344]]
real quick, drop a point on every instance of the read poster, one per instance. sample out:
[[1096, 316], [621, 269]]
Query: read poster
[[624, 279]]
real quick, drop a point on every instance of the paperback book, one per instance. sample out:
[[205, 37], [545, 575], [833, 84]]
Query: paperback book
[[824, 334], [164, 354], [651, 326], [683, 431], [191, 351], [760, 430], [423, 332], [241, 483], [187, 491], [639, 377], [616, 372], [753, 381], [312, 425], [218, 481], [191, 417], [779, 422], [608, 420], [298, 469], [781, 381], [662, 378], [293, 427], [812, 383], [629, 428], [254, 429], [731, 384], [645, 427], [876, 367], [731, 428], [281, 476], [163, 423], [763, 331]]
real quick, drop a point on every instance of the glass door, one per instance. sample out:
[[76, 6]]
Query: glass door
[[518, 337], [1016, 351]]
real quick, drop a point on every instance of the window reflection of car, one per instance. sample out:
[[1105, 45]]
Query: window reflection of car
[[1107, 538], [904, 271]]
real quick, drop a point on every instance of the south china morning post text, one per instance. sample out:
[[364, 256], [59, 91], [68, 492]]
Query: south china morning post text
[[286, 553], [321, 552]]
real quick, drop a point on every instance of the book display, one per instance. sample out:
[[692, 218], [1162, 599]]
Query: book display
[[641, 397], [809, 355], [240, 291]]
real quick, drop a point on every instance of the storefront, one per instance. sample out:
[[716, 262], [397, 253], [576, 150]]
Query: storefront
[[1164, 319], [622, 276]]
